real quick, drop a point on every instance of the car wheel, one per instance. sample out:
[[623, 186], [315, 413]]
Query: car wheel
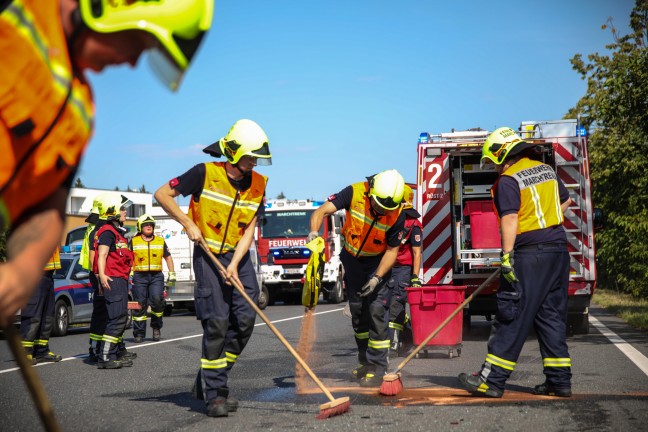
[[61, 318], [263, 297], [337, 293]]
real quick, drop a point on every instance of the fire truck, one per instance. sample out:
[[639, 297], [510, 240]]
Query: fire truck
[[281, 237], [461, 239]]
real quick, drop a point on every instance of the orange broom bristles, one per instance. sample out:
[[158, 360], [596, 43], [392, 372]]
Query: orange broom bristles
[[335, 407], [391, 385]]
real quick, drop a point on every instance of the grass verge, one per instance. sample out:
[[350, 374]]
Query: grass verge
[[632, 310]]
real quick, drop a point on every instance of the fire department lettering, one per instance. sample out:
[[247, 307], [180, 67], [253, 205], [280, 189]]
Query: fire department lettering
[[534, 175], [286, 242]]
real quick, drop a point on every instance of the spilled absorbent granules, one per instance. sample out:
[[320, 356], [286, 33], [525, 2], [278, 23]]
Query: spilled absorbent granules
[[306, 341]]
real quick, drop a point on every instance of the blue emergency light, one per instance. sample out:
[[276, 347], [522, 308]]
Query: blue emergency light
[[424, 138], [581, 131], [306, 252], [70, 248]]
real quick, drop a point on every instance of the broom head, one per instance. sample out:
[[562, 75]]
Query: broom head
[[335, 407], [391, 385]]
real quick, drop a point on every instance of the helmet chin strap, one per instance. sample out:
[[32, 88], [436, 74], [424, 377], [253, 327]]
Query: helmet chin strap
[[243, 173], [78, 26]]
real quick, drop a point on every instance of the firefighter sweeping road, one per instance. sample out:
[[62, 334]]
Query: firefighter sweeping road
[[610, 389]]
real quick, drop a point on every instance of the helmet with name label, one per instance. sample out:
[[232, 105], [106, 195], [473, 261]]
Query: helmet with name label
[[501, 143]]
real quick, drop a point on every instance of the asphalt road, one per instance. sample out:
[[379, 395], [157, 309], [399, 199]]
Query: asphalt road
[[610, 390]]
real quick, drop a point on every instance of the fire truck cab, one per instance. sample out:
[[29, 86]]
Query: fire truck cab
[[461, 239], [282, 235]]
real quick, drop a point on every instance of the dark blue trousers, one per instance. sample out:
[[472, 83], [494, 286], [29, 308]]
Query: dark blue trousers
[[227, 318], [538, 300], [148, 290], [37, 317], [369, 315]]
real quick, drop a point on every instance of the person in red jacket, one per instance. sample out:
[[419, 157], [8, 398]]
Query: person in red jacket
[[47, 109], [113, 261], [404, 274]]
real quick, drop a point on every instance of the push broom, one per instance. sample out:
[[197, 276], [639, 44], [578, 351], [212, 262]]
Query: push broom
[[334, 406], [31, 379], [392, 384]]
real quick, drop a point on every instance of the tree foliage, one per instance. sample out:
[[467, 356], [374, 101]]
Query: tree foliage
[[78, 183], [615, 108]]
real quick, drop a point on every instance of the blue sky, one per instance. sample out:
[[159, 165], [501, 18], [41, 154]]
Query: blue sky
[[343, 88]]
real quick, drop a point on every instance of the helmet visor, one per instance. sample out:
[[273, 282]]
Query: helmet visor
[[164, 68], [387, 203], [262, 154]]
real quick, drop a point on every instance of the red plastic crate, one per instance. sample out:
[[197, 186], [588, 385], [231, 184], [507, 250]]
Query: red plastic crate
[[429, 307], [484, 229]]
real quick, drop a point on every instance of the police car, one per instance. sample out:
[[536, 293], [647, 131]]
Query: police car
[[72, 292]]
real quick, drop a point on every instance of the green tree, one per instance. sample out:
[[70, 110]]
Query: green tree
[[143, 189], [281, 196], [78, 183], [615, 107]]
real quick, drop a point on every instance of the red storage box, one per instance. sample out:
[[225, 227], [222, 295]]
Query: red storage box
[[429, 307], [484, 229]]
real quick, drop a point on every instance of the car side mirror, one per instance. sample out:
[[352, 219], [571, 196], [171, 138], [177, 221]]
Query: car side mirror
[[81, 275]]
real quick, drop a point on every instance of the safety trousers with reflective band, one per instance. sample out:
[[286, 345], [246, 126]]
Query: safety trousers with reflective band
[[400, 279], [116, 299], [368, 314], [227, 319], [37, 317], [539, 301], [148, 290], [99, 317]]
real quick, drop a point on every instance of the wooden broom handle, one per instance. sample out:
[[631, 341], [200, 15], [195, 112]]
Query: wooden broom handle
[[265, 319], [447, 320], [31, 379]]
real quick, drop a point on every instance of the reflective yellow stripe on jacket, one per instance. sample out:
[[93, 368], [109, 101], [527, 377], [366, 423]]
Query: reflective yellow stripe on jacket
[[222, 213], [148, 254], [55, 262], [539, 195], [363, 234]]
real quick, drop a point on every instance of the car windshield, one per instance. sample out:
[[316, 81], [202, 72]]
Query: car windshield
[[65, 266], [286, 224]]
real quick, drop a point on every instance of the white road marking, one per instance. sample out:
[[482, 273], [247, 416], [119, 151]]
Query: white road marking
[[133, 347], [631, 352]]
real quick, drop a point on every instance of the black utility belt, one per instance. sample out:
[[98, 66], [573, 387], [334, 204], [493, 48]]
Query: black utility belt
[[541, 246]]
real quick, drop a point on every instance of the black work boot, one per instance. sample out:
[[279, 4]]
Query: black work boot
[[217, 407], [126, 355], [359, 372], [138, 339], [156, 334], [549, 390], [48, 357], [93, 358], [109, 364], [373, 378], [478, 387]]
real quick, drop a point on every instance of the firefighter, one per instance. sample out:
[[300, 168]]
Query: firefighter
[[404, 274], [37, 317], [47, 111], [148, 279], [112, 263], [530, 201], [372, 234], [226, 200]]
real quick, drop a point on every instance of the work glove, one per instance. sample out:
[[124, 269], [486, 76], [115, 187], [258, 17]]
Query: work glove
[[370, 286], [171, 281], [415, 282], [507, 267], [312, 236]]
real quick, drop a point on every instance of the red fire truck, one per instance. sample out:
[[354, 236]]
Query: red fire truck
[[461, 240], [281, 236]]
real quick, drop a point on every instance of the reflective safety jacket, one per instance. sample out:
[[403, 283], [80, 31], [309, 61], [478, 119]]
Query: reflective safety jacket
[[54, 262], [363, 234], [404, 257], [84, 256], [539, 195], [119, 261], [147, 254], [222, 212], [46, 111]]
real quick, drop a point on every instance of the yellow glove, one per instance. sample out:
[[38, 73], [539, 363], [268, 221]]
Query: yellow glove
[[507, 267], [171, 281]]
